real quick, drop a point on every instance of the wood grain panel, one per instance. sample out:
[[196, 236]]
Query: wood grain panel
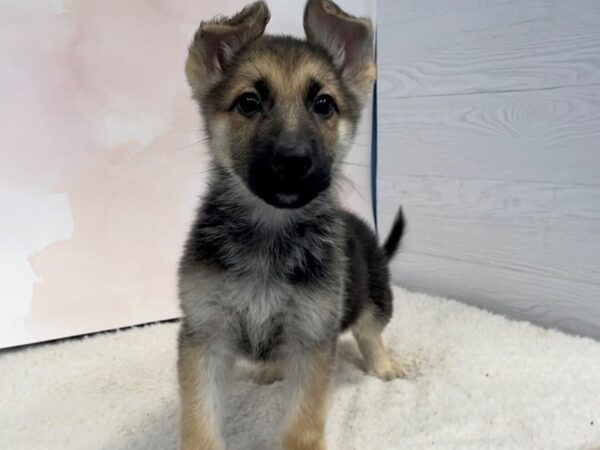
[[542, 229], [491, 249], [489, 134], [550, 135], [437, 47]]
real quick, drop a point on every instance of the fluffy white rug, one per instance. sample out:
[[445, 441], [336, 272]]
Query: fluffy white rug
[[479, 381]]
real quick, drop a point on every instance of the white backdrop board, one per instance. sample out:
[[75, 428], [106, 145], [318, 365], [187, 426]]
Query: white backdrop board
[[489, 134], [102, 159]]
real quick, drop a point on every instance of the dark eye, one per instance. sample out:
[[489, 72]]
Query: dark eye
[[324, 106], [248, 104]]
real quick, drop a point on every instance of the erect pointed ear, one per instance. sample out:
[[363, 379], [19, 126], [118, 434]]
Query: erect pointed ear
[[217, 41], [347, 39]]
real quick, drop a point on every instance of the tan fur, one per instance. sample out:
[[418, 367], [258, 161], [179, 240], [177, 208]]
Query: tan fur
[[268, 372], [289, 76], [364, 81], [376, 358], [220, 126], [288, 79], [196, 431], [307, 429]]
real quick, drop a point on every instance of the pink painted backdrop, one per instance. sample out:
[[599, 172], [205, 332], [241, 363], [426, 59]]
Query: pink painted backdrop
[[102, 159]]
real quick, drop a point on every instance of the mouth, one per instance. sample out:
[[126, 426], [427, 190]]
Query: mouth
[[286, 194], [284, 198], [287, 199]]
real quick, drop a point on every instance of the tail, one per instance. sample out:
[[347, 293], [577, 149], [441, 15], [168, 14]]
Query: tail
[[393, 240]]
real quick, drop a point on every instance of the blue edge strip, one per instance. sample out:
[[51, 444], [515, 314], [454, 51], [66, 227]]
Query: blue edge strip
[[374, 150], [374, 158]]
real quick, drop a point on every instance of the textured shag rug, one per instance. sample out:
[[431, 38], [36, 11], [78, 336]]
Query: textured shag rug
[[478, 381]]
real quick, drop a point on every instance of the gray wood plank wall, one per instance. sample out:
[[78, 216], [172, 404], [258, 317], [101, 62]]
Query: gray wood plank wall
[[489, 135]]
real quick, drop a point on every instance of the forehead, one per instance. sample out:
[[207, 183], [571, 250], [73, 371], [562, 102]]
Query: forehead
[[288, 68]]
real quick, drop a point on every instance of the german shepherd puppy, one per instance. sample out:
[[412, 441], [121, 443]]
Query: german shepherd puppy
[[274, 269]]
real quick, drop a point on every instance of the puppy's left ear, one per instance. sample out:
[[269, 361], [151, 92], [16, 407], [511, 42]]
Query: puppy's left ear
[[347, 39]]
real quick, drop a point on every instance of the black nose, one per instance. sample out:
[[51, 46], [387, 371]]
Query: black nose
[[292, 162]]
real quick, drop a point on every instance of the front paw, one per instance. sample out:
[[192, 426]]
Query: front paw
[[388, 368]]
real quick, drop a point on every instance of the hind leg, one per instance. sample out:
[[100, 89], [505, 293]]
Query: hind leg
[[376, 358]]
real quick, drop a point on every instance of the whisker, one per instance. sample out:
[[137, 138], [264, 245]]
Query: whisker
[[184, 130], [360, 194], [190, 145], [350, 163], [201, 172], [354, 188], [345, 178]]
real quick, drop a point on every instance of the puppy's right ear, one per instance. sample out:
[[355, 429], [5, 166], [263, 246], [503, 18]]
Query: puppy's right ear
[[347, 39], [216, 42]]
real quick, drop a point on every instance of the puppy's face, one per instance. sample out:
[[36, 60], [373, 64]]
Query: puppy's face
[[281, 112], [281, 118]]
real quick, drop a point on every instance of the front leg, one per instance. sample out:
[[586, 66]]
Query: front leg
[[203, 372], [307, 380]]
